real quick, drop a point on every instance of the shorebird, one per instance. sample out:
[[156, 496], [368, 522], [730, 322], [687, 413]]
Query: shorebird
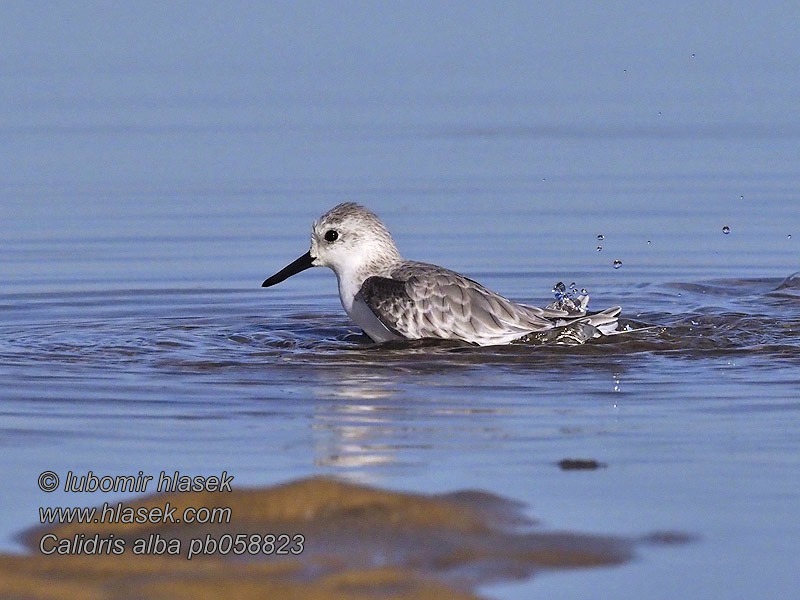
[[391, 298]]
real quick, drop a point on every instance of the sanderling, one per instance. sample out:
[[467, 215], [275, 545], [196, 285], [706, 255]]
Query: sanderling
[[393, 299]]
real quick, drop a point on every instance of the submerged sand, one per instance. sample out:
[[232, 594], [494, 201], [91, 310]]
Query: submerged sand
[[358, 542]]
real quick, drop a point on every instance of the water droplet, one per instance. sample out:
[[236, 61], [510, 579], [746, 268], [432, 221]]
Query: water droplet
[[693, 55], [599, 248], [584, 291], [601, 237], [741, 197], [624, 70], [648, 242], [726, 230], [617, 263], [659, 113], [560, 291], [788, 237]]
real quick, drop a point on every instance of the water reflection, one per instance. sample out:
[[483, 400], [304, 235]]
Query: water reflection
[[350, 421]]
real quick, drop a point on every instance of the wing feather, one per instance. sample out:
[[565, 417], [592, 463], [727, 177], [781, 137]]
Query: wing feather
[[426, 301]]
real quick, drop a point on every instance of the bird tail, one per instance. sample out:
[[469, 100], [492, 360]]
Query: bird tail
[[605, 321]]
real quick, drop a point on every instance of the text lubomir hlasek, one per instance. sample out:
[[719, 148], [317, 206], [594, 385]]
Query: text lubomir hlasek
[[174, 482]]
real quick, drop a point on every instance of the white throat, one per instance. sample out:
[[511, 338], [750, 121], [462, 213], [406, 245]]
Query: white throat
[[349, 285], [353, 269]]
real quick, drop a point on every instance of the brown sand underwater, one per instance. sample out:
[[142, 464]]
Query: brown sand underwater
[[359, 542]]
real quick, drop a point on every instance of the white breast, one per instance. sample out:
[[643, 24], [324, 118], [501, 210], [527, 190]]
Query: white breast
[[358, 311], [363, 316]]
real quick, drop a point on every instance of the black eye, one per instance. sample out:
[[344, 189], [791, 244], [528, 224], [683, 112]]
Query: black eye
[[331, 235]]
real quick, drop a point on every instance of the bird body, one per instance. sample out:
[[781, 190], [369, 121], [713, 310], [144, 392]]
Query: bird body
[[393, 299]]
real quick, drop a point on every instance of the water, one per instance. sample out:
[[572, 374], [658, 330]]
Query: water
[[158, 169]]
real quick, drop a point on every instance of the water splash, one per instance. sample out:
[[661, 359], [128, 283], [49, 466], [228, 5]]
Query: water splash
[[569, 299]]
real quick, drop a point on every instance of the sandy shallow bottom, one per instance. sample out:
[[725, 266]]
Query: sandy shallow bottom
[[357, 542]]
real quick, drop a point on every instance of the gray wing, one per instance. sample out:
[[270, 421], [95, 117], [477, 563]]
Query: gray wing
[[426, 301]]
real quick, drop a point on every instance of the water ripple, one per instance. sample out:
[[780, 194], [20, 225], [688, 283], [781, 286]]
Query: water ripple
[[238, 330]]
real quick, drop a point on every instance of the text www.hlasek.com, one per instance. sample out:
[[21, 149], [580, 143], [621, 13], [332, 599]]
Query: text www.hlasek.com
[[119, 513]]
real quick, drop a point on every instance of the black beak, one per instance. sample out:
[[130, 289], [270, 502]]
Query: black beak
[[301, 264]]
